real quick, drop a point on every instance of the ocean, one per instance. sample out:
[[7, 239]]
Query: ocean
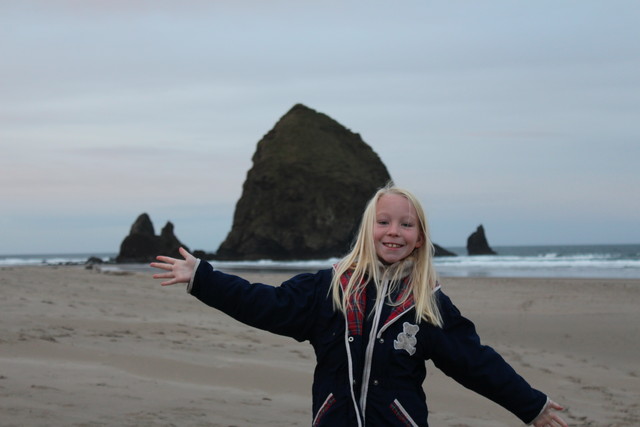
[[570, 261]]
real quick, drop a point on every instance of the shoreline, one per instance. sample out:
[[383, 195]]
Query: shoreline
[[277, 269], [84, 347], [550, 261]]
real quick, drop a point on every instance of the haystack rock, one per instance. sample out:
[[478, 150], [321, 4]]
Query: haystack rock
[[477, 243], [306, 191], [142, 244]]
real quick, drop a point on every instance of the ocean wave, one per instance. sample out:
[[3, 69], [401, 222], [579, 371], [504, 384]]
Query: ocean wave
[[597, 261], [49, 259]]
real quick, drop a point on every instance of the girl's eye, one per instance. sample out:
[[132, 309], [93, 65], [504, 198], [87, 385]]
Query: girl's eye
[[382, 222], [407, 225]]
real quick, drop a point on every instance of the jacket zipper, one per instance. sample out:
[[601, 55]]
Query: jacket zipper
[[350, 362], [368, 357]]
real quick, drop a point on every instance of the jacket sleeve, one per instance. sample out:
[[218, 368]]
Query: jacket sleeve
[[285, 310], [458, 352]]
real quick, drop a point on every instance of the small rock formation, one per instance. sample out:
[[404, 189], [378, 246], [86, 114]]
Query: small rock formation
[[92, 261], [142, 244], [202, 254], [305, 193], [440, 251], [477, 243]]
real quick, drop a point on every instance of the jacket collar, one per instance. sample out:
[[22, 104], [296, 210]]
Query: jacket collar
[[357, 304]]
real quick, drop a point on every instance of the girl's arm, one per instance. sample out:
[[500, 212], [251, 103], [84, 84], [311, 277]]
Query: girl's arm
[[287, 309], [456, 349]]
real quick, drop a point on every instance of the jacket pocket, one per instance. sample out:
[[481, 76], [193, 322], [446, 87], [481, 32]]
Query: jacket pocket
[[402, 415], [328, 403]]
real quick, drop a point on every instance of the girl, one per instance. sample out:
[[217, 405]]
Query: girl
[[373, 320]]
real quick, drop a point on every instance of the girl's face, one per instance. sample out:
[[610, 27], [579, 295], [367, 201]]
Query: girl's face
[[396, 232]]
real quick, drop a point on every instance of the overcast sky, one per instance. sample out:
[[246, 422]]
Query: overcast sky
[[521, 116]]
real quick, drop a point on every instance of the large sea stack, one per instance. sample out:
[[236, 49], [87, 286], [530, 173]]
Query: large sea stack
[[306, 191], [142, 244], [477, 243]]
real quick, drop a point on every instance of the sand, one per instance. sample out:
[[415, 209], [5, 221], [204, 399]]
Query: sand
[[82, 347]]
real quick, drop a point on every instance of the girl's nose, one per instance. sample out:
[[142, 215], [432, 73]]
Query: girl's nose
[[393, 230]]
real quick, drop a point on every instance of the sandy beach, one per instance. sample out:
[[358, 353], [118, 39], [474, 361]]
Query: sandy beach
[[83, 347]]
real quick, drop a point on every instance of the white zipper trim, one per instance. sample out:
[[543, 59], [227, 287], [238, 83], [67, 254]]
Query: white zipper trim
[[386, 325], [384, 328], [368, 357], [405, 413], [349, 360]]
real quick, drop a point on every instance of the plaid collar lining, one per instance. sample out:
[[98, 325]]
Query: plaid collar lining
[[357, 304]]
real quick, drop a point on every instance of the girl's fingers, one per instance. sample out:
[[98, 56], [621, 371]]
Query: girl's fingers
[[174, 267], [555, 405], [560, 421], [161, 266], [184, 253]]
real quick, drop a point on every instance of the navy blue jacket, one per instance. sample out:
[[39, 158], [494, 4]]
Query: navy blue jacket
[[377, 382]]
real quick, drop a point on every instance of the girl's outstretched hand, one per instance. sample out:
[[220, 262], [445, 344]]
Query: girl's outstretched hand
[[548, 417], [178, 270]]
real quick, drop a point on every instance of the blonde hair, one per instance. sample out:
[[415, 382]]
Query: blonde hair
[[363, 264]]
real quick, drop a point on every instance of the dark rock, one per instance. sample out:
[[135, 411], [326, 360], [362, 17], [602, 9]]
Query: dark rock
[[477, 243], [201, 254], [440, 251], [93, 260], [168, 242], [306, 191], [143, 226], [142, 244]]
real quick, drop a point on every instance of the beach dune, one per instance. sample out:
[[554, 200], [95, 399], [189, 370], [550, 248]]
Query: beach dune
[[84, 347]]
